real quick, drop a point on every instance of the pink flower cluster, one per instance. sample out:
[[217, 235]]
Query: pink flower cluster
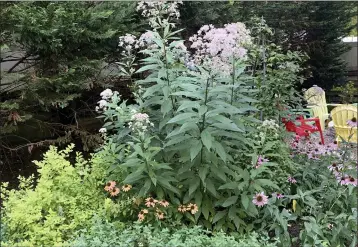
[[191, 207], [261, 160], [312, 149], [291, 180], [216, 47], [140, 122], [153, 10], [150, 202], [113, 190], [345, 179]]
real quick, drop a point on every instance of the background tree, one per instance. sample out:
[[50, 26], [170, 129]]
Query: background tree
[[56, 57], [315, 28]]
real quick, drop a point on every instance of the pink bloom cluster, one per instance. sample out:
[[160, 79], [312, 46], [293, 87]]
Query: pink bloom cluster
[[159, 9], [216, 47], [261, 160], [113, 190], [291, 180], [150, 202], [311, 148], [152, 9], [345, 179], [140, 122]]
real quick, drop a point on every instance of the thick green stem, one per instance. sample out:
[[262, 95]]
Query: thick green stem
[[167, 74], [203, 120], [233, 80]]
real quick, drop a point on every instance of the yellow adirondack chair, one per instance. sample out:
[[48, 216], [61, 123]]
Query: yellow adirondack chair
[[316, 99], [340, 115]]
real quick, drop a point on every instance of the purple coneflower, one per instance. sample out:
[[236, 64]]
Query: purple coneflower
[[260, 199]]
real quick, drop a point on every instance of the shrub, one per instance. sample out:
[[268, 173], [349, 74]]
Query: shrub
[[107, 234], [189, 141], [63, 199]]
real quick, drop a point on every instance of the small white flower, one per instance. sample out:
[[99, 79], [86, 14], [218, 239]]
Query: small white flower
[[102, 130], [106, 94], [102, 103]]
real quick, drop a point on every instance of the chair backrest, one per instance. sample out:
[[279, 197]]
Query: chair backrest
[[340, 115], [316, 96]]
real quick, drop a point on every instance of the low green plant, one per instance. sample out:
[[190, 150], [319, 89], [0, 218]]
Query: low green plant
[[346, 92], [109, 235], [64, 198]]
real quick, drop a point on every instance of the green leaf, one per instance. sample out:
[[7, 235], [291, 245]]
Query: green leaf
[[188, 104], [267, 182], [230, 186], [195, 149], [134, 177], [227, 126], [182, 117], [231, 200], [194, 184], [245, 200], [148, 67], [219, 173], [203, 171], [220, 151], [144, 190], [206, 138], [211, 188], [202, 110], [219, 215], [165, 183]]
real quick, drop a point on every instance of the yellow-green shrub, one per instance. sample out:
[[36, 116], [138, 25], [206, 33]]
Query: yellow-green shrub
[[64, 200]]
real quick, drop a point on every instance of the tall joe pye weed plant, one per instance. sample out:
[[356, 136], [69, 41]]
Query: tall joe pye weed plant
[[187, 146]]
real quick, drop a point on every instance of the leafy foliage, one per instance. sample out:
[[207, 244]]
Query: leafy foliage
[[107, 234], [61, 54], [193, 144], [63, 200]]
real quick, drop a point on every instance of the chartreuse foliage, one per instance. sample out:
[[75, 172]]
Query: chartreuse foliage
[[63, 200]]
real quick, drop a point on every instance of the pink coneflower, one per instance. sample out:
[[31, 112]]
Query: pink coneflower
[[260, 199], [335, 167], [330, 226], [114, 191], [342, 180], [352, 122], [277, 195], [164, 203], [182, 208], [141, 217], [351, 180], [260, 161], [159, 214], [144, 211], [150, 202], [193, 208], [291, 180], [110, 185], [126, 187]]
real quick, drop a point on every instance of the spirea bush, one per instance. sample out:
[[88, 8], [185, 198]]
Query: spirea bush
[[63, 199]]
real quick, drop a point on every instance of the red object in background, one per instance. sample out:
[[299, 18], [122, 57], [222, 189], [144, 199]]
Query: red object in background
[[304, 129]]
